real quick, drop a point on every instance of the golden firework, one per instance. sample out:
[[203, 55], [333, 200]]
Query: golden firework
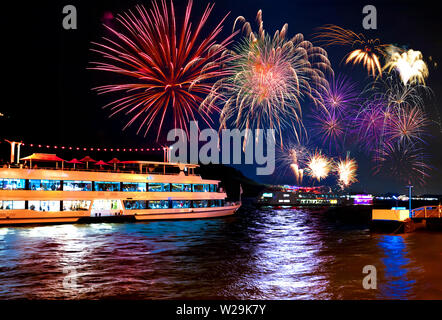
[[364, 51], [409, 64]]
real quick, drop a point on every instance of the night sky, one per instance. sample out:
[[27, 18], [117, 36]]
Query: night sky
[[47, 95]]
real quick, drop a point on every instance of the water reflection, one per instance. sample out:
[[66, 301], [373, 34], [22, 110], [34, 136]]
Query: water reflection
[[289, 257], [396, 283]]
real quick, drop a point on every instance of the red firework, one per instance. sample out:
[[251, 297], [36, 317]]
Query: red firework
[[164, 66]]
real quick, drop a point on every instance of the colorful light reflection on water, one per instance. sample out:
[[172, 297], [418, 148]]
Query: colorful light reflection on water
[[259, 254]]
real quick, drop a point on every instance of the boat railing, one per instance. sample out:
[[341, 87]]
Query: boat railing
[[427, 212]]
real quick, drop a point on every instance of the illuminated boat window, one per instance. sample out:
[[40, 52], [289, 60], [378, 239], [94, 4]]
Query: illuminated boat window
[[159, 187], [159, 204], [135, 204], [44, 205], [213, 188], [12, 184], [44, 185], [106, 205], [76, 205], [200, 203], [11, 205], [107, 186], [181, 187], [176, 204], [200, 188], [134, 186], [73, 185]]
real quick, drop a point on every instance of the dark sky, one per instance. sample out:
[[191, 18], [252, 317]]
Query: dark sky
[[47, 95]]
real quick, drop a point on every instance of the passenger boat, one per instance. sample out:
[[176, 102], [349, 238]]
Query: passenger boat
[[131, 190]]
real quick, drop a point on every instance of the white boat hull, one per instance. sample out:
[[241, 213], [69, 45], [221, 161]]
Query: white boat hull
[[17, 217]]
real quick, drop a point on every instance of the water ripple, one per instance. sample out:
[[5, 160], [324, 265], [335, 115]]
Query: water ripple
[[258, 254]]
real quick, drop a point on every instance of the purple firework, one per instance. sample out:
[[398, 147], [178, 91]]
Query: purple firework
[[341, 94], [370, 123], [330, 127], [340, 99]]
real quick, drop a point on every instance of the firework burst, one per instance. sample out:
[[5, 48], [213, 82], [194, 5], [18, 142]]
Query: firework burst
[[271, 75], [318, 166], [163, 66], [330, 127], [369, 124], [365, 51], [407, 125], [340, 100], [393, 113], [410, 65], [404, 162], [346, 170], [341, 94]]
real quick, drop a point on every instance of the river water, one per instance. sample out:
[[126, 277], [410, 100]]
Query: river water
[[257, 254]]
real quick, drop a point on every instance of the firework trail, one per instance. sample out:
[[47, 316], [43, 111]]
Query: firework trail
[[365, 51], [271, 75], [297, 156], [299, 173], [294, 156], [318, 166], [346, 170], [409, 64], [162, 65]]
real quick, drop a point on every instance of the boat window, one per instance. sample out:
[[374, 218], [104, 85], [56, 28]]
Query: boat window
[[74, 185], [10, 205], [107, 186], [76, 205], [44, 205], [159, 187], [106, 205], [181, 187], [134, 186], [181, 204], [200, 188], [12, 184], [213, 188], [159, 204], [44, 185], [135, 204], [200, 203], [214, 203]]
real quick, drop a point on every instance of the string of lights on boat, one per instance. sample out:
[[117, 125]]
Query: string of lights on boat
[[101, 149]]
